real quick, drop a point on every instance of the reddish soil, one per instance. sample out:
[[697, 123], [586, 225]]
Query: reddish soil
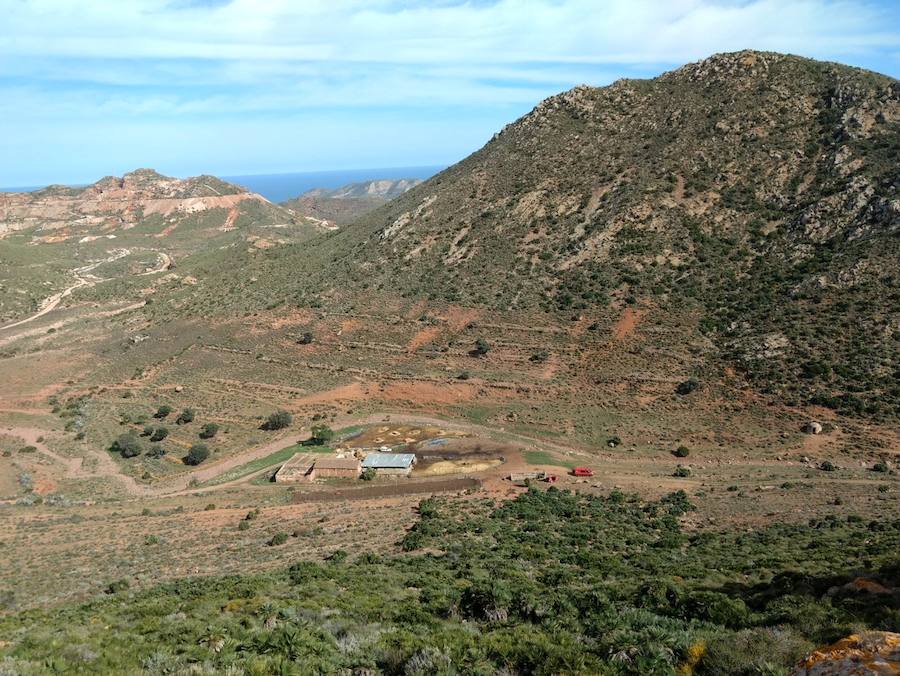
[[423, 337], [627, 323], [400, 487], [433, 393]]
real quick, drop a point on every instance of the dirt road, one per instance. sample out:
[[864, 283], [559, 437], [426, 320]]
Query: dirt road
[[83, 278]]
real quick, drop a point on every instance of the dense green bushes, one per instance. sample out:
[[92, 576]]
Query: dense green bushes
[[549, 583]]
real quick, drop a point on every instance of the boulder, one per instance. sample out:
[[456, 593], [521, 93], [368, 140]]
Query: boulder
[[813, 427]]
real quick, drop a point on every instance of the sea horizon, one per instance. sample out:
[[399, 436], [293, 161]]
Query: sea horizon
[[279, 187]]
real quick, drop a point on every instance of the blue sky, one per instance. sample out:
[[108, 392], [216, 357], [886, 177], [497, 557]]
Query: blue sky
[[96, 87]]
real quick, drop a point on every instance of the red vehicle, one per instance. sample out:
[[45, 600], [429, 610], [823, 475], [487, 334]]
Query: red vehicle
[[582, 471]]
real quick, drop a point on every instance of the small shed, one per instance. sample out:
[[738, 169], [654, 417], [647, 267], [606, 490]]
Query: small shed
[[398, 464], [334, 467], [519, 477], [297, 468]]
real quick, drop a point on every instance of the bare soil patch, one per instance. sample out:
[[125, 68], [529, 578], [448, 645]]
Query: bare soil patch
[[627, 323], [401, 487]]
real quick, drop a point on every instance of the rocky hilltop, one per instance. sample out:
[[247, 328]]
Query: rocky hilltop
[[386, 189], [755, 194], [340, 206], [60, 213]]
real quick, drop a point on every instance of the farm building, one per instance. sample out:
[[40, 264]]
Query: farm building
[[298, 468], [519, 477], [332, 467], [398, 464]]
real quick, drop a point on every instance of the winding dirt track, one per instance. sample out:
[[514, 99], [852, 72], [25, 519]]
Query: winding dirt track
[[84, 279]]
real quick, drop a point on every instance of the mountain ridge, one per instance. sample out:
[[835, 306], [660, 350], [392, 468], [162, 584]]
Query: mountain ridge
[[753, 189], [115, 203]]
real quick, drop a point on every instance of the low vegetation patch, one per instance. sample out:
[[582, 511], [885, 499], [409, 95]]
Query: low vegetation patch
[[552, 582]]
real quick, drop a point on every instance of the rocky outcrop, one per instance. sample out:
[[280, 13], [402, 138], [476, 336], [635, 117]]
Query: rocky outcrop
[[58, 213], [874, 653]]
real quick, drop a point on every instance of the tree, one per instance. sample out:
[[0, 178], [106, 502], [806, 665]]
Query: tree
[[128, 445], [186, 416], [682, 452], [687, 386], [209, 430], [159, 434], [481, 348], [163, 411], [278, 420], [367, 474], [196, 454], [321, 434]]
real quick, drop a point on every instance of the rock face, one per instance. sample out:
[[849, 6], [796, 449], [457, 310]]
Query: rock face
[[59, 213], [875, 653]]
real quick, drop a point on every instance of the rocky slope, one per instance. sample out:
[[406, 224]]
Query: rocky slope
[[756, 191], [346, 204], [752, 196], [385, 188], [112, 205]]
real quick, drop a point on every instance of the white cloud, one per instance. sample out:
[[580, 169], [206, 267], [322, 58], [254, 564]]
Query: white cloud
[[506, 31], [80, 66]]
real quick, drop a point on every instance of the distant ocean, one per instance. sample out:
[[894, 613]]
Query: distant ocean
[[281, 187]]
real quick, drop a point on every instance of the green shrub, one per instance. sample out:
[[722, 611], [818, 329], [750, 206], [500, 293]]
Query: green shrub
[[196, 454], [681, 452], [321, 434], [481, 348], [880, 467], [688, 386], [118, 586], [209, 430], [827, 466], [163, 411], [278, 420], [185, 417], [159, 434], [128, 445], [682, 471], [243, 525], [337, 556], [278, 539]]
